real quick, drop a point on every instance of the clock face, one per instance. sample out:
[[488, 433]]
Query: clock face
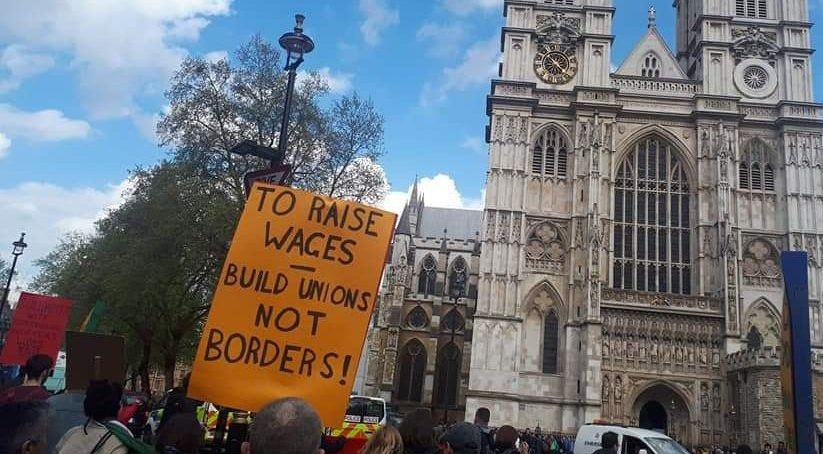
[[555, 65]]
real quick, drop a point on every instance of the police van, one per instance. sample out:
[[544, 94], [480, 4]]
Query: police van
[[630, 440]]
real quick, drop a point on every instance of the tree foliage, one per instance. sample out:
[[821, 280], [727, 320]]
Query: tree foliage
[[216, 105], [153, 262]]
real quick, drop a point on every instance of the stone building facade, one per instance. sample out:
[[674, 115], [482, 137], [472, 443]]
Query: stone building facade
[[419, 345], [634, 218]]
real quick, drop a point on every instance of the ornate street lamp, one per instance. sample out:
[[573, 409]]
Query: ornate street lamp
[[296, 45], [17, 251]]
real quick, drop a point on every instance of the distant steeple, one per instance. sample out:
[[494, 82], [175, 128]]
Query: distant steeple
[[404, 226], [652, 17], [414, 197]]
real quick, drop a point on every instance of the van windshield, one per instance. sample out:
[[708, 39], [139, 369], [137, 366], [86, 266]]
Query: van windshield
[[665, 446]]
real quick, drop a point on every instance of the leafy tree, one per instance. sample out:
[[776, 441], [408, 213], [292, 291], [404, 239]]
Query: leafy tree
[[216, 105], [153, 262]]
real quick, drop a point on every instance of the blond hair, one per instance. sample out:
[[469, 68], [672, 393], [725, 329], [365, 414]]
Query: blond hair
[[387, 440]]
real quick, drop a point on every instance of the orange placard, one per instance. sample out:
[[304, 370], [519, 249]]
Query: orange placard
[[292, 307]]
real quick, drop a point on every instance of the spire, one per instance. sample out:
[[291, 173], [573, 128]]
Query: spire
[[414, 196], [404, 226], [652, 17], [444, 247]]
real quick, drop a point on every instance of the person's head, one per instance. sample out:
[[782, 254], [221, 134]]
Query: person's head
[[23, 427], [38, 368], [744, 449], [102, 400], [781, 445], [482, 416], [461, 438], [608, 440], [285, 426], [505, 438], [183, 433], [767, 446], [387, 440], [417, 430]]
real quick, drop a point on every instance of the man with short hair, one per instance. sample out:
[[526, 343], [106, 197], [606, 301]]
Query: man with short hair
[[23, 427], [481, 420], [767, 448], [285, 426], [781, 447], [461, 438], [37, 369], [608, 443]]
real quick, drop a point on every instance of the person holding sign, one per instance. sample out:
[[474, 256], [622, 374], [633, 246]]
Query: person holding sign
[[37, 369]]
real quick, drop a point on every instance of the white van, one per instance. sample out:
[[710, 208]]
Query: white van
[[630, 440]]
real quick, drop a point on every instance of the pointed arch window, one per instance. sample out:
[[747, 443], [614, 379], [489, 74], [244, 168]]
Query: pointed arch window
[[428, 276], [448, 374], [417, 318], [453, 321], [756, 171], [652, 229], [551, 336], [412, 371], [458, 278], [550, 156], [651, 66]]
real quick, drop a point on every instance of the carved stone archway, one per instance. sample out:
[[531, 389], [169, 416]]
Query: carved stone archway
[[678, 411]]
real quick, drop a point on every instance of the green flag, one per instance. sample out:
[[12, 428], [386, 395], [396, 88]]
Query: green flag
[[93, 319]]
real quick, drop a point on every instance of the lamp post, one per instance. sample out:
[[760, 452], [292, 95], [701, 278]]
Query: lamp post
[[17, 251], [296, 45]]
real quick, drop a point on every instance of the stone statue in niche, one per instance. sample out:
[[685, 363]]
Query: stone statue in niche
[[618, 389], [605, 347], [678, 354], [654, 350], [606, 389], [716, 397], [704, 396], [690, 354]]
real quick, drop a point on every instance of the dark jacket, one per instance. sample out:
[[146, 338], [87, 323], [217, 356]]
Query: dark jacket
[[416, 450], [606, 451]]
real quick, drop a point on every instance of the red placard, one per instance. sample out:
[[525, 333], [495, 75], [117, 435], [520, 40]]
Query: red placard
[[38, 326]]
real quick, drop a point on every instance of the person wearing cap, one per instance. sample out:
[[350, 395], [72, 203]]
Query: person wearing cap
[[461, 438]]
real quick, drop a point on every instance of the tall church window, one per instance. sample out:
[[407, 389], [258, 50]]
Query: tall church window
[[550, 339], [755, 171], [550, 154], [758, 9], [428, 276], [448, 374], [652, 236], [651, 66], [412, 371], [457, 278]]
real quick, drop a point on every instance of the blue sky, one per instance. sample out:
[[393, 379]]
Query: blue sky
[[81, 84]]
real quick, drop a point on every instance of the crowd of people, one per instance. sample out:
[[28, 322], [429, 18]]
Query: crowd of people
[[33, 422]]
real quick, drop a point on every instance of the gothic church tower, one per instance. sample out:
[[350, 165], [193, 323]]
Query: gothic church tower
[[634, 219]]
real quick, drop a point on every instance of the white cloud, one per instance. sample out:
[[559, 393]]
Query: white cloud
[[476, 144], [20, 63], [466, 7], [119, 49], [338, 82], [377, 18], [44, 125], [216, 55], [443, 40], [438, 191], [479, 64], [5, 144], [46, 212]]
